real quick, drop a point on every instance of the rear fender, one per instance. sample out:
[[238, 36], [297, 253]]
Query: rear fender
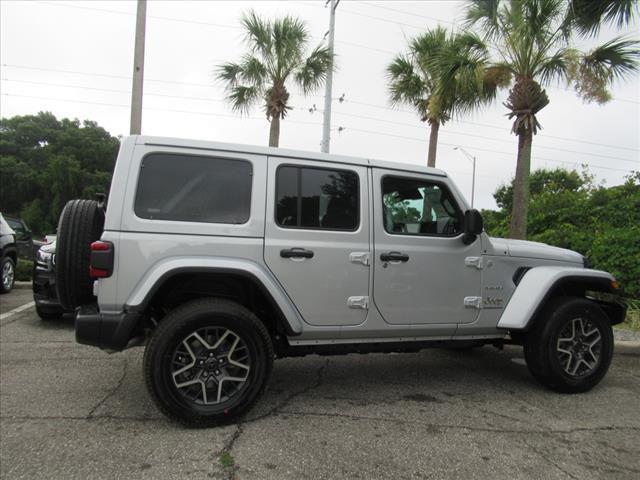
[[164, 270]]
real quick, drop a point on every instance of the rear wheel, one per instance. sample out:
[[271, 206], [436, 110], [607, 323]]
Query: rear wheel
[[571, 346], [81, 223], [7, 274], [208, 362]]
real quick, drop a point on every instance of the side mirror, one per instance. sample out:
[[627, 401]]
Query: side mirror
[[472, 226]]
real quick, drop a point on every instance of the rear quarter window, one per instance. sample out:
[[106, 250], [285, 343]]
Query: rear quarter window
[[194, 188]]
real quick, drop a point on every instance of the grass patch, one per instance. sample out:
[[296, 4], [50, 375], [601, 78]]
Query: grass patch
[[226, 460], [24, 270], [632, 322]]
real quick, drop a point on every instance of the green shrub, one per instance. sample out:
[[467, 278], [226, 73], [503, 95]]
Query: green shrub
[[24, 270], [617, 250]]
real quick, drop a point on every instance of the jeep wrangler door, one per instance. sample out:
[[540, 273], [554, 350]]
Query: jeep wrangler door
[[419, 260], [317, 238]]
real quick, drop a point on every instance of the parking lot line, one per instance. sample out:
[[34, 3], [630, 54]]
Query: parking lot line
[[19, 309]]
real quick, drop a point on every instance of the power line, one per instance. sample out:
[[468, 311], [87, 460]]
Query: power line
[[118, 105], [355, 102], [413, 14], [536, 157], [485, 137], [82, 87], [497, 127]]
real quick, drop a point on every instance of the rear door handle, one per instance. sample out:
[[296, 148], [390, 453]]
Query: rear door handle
[[394, 257], [296, 253]]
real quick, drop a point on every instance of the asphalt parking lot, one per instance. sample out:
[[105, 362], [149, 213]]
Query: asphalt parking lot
[[69, 411]]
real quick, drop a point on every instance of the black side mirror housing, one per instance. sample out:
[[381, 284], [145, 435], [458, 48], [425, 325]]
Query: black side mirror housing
[[473, 226]]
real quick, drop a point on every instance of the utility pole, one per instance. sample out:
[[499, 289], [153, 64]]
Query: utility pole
[[326, 126], [138, 70]]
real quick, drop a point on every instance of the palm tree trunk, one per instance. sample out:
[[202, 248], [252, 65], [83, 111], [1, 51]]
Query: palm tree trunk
[[433, 143], [518, 227], [274, 131]]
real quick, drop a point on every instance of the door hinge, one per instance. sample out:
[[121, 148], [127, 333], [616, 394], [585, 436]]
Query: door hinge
[[360, 302], [473, 302], [474, 262], [359, 257]]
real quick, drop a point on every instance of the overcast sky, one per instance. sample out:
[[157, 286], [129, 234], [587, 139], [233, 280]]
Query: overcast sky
[[75, 60]]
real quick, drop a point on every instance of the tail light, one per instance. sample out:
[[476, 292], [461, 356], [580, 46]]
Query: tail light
[[101, 265]]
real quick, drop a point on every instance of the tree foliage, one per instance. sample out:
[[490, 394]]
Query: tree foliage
[[277, 55], [568, 210], [536, 41], [46, 162]]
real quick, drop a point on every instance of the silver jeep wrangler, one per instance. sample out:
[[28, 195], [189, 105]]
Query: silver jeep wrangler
[[222, 257]]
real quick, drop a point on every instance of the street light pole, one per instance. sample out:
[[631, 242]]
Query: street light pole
[[326, 125], [473, 178]]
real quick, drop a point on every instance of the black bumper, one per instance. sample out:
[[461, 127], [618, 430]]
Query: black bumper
[[107, 331], [44, 289]]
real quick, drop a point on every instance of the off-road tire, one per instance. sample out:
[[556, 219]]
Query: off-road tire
[[180, 323], [8, 264], [81, 223], [49, 313], [541, 343]]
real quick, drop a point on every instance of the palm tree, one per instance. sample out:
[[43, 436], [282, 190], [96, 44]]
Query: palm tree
[[533, 40], [277, 54], [443, 75]]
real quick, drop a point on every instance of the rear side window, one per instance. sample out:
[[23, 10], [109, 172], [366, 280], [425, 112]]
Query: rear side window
[[317, 198], [192, 188]]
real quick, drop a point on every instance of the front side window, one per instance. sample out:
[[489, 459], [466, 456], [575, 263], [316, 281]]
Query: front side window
[[192, 188], [419, 207], [317, 198]]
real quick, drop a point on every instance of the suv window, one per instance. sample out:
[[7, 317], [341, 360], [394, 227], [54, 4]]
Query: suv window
[[419, 207], [193, 188], [317, 198]]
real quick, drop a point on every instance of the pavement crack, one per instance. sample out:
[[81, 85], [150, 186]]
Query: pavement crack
[[111, 392], [275, 410], [549, 460]]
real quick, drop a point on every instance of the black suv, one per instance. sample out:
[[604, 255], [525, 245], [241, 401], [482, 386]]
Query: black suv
[[24, 237]]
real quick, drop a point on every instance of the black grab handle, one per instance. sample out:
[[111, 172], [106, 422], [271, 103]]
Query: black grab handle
[[296, 253], [394, 257]]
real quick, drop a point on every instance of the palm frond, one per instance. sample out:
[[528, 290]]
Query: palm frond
[[259, 33], [228, 73], [313, 72], [555, 67], [405, 84], [242, 98], [484, 14], [619, 56], [290, 37], [589, 15], [253, 71]]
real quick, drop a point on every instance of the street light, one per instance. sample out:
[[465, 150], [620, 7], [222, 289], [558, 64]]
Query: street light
[[473, 179]]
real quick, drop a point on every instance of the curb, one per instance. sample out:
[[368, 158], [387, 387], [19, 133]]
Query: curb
[[22, 285]]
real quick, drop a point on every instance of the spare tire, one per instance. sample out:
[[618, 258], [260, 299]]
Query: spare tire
[[81, 223]]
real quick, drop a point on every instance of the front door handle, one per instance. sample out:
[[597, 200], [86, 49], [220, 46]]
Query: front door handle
[[394, 257], [296, 253]]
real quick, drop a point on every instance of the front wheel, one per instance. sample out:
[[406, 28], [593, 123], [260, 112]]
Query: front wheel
[[208, 362], [571, 346]]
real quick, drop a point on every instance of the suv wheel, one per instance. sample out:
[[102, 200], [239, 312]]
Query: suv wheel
[[571, 346], [207, 362], [7, 274]]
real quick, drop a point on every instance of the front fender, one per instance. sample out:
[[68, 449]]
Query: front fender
[[167, 268], [536, 287]]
